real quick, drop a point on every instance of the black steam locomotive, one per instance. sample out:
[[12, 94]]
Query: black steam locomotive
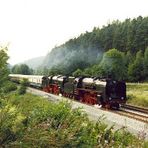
[[105, 92]]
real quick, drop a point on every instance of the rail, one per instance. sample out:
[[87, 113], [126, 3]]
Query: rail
[[134, 112], [135, 108]]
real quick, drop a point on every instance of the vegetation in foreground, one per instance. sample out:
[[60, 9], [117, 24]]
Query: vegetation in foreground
[[137, 94], [31, 121]]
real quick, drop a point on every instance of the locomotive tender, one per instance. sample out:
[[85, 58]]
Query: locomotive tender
[[106, 92]]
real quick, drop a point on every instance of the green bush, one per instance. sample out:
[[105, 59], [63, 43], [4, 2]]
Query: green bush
[[10, 123], [31, 121], [24, 82], [9, 86], [22, 90]]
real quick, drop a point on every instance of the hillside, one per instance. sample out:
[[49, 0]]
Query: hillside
[[87, 49], [74, 53], [35, 62]]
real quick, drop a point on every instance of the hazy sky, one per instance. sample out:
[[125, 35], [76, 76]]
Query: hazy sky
[[33, 27]]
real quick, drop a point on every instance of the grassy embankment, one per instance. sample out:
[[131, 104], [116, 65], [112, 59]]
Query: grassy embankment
[[31, 121], [137, 94]]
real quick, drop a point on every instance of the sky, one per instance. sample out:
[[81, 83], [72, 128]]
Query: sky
[[31, 28]]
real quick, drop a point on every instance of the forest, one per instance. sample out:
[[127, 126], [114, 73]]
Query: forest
[[119, 49]]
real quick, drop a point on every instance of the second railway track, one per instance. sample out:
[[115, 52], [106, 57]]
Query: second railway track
[[134, 112], [136, 108]]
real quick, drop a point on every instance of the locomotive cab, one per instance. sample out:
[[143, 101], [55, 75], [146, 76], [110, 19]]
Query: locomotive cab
[[115, 92]]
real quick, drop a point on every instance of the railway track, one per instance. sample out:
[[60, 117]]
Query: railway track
[[134, 112], [135, 108]]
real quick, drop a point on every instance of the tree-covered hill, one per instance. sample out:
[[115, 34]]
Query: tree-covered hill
[[35, 62], [130, 35], [78, 52], [84, 54]]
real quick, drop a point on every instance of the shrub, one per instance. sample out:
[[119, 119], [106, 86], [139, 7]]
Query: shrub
[[10, 123], [31, 121], [9, 86], [22, 90], [24, 82]]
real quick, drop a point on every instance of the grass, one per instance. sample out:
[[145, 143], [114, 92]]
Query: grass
[[137, 94], [31, 121]]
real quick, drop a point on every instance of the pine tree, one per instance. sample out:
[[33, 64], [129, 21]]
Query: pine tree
[[146, 64], [136, 69]]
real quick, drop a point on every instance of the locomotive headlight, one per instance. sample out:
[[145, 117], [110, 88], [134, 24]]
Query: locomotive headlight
[[110, 98], [122, 98]]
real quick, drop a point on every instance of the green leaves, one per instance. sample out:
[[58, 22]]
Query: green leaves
[[3, 67], [31, 121], [22, 69], [10, 123], [113, 64], [136, 69], [23, 87]]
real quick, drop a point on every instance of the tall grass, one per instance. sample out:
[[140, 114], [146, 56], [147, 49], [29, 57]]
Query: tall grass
[[31, 121], [137, 94]]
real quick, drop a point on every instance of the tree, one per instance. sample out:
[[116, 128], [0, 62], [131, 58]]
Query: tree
[[129, 58], [56, 70], [77, 73], [22, 69], [23, 87], [146, 64], [3, 66], [136, 69], [113, 64]]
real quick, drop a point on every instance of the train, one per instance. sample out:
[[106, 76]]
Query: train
[[107, 93]]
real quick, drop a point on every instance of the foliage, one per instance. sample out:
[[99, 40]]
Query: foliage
[[137, 94], [129, 58], [130, 35], [113, 64], [119, 66], [10, 123], [136, 69], [21, 69], [9, 86], [22, 90], [31, 121], [90, 52], [24, 82], [146, 64], [87, 50], [3, 67], [77, 73]]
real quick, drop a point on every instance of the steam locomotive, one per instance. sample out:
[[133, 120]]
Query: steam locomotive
[[105, 92]]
